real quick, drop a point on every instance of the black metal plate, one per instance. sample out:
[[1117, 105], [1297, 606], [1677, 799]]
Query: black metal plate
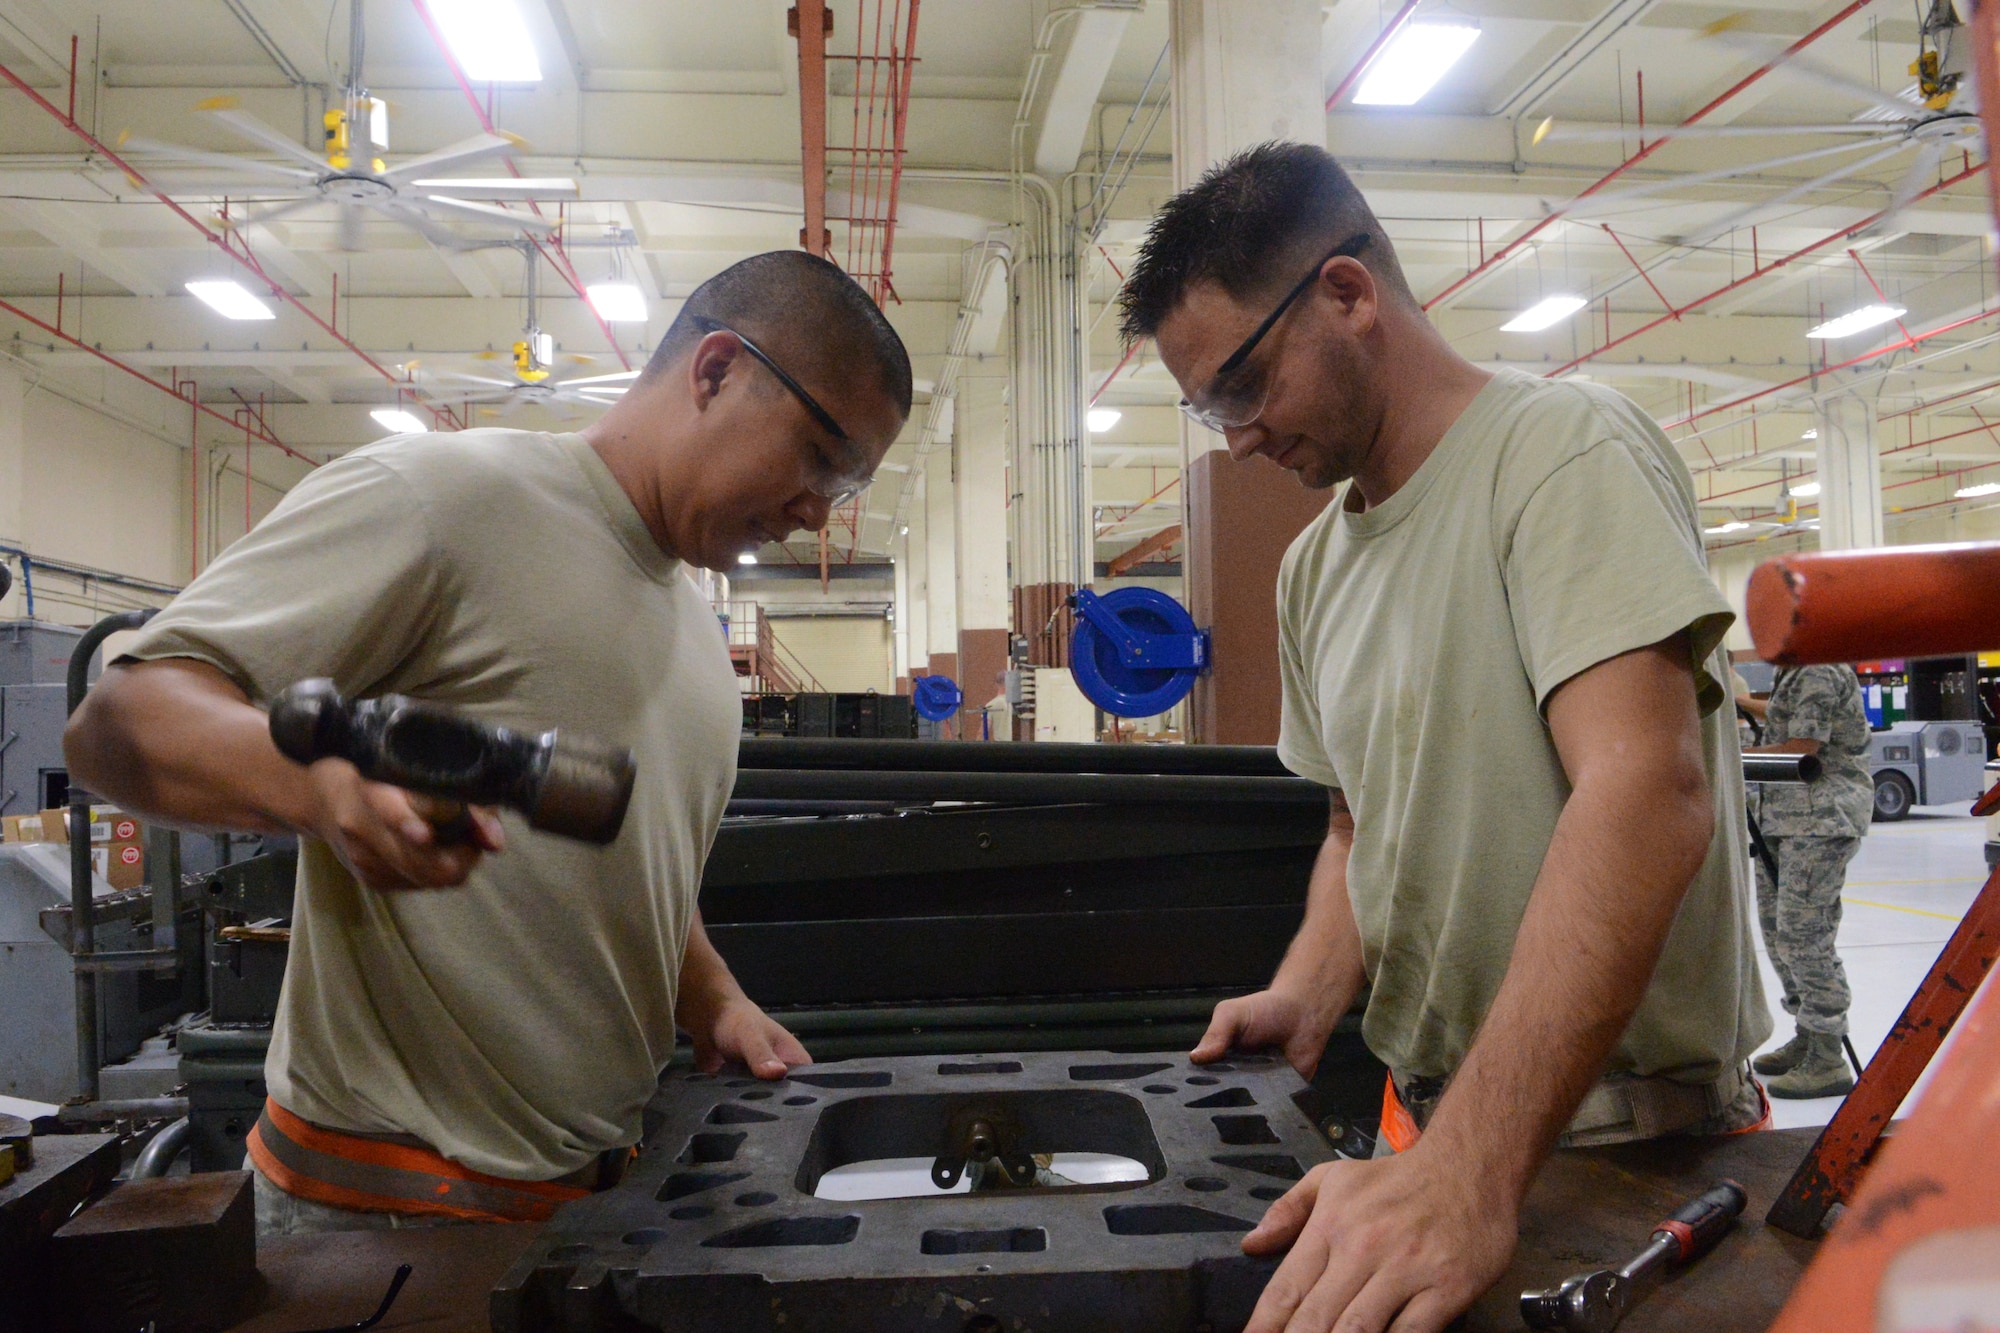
[[715, 1227]]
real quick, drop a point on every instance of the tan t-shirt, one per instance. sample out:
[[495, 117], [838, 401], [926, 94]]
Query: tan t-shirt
[[518, 1023], [1553, 527]]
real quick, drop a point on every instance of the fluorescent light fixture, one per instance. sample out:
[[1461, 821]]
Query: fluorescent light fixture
[[397, 421], [378, 124], [230, 299], [489, 40], [1812, 433], [1413, 62], [618, 302], [1101, 419], [1974, 492], [1545, 313], [1733, 525], [747, 558], [1805, 490], [1857, 321]]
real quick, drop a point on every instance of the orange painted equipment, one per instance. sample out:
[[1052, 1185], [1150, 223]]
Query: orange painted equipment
[[1919, 1233], [1851, 606], [1828, 1174]]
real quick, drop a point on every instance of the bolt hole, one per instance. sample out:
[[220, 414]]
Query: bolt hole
[[755, 1199], [1207, 1184], [645, 1236], [1267, 1193], [755, 1095], [1203, 1081], [1157, 1088], [800, 1101]]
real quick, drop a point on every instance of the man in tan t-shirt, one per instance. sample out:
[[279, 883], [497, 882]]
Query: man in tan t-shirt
[[1500, 652], [472, 1031]]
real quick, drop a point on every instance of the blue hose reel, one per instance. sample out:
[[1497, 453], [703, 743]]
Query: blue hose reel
[[1135, 652], [936, 697]]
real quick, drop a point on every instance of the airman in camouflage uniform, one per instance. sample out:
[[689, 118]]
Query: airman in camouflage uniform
[[1813, 830]]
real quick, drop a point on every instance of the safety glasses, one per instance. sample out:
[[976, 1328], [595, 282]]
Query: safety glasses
[[1236, 394], [829, 480]]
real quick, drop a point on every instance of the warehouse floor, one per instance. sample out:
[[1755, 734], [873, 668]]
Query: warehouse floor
[[1906, 890]]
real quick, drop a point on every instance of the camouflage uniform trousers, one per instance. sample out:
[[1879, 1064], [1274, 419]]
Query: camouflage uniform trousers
[[1800, 915]]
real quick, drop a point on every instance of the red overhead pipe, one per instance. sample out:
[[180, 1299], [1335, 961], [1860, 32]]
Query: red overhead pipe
[[263, 433], [221, 242], [810, 21], [1844, 606], [1382, 39], [1649, 149], [1899, 345], [552, 250], [1675, 312]]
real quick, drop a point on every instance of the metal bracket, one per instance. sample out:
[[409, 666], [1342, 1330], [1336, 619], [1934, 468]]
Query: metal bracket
[[128, 960], [1137, 647]]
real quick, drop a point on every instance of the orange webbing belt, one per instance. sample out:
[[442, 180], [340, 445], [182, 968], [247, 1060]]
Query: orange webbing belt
[[1397, 1125], [370, 1176]]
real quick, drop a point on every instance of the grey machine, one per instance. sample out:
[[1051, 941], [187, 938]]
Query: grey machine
[[1926, 763]]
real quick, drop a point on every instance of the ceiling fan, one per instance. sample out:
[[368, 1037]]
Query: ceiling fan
[[537, 377], [354, 180], [1935, 115]]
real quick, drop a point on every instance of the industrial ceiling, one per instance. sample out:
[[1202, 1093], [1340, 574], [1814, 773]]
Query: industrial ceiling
[[679, 124]]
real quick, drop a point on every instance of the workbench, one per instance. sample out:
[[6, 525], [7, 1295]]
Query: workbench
[[1590, 1208]]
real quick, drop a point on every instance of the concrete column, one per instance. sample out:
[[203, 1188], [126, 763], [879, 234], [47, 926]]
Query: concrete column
[[899, 555], [1245, 72], [13, 482], [1850, 474], [941, 559], [979, 461], [916, 548]]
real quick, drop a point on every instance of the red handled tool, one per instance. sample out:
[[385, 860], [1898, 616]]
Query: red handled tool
[[1595, 1302]]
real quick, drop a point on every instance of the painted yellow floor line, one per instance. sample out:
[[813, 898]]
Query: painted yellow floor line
[[1913, 911], [1884, 883]]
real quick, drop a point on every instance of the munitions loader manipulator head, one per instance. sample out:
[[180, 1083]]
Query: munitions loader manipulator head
[[564, 784]]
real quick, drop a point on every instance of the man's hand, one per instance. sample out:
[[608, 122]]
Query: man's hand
[[741, 1031], [386, 836], [1399, 1244], [1282, 1017], [724, 1023]]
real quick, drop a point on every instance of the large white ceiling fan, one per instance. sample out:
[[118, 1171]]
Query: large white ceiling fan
[[1936, 115], [352, 179], [537, 377]]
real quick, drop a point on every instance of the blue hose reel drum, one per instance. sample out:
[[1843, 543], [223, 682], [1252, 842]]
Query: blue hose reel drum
[[1135, 652], [936, 698]]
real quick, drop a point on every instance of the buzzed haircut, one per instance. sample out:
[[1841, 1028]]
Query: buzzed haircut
[[1253, 225], [809, 315]]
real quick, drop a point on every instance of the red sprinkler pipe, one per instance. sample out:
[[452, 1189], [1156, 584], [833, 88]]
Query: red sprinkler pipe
[[263, 434], [553, 250], [220, 242], [1675, 312], [1648, 150], [1382, 39]]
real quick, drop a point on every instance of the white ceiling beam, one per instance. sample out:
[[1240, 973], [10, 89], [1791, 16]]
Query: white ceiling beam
[[308, 272], [471, 274], [61, 226], [1066, 117]]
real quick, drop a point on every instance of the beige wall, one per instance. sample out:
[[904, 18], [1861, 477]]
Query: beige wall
[[845, 653]]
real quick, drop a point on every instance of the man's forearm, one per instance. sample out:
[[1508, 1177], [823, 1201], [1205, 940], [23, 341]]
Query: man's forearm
[[706, 983], [177, 743], [1324, 959], [1623, 854]]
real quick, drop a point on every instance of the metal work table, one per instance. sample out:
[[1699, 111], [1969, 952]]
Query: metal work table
[[1588, 1209]]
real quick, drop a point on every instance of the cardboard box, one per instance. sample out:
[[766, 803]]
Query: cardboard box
[[117, 852]]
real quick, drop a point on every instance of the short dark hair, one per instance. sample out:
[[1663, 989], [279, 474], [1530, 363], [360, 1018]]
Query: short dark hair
[[806, 312], [1246, 225]]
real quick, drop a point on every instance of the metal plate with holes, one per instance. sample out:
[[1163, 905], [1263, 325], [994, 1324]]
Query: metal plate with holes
[[716, 1228]]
